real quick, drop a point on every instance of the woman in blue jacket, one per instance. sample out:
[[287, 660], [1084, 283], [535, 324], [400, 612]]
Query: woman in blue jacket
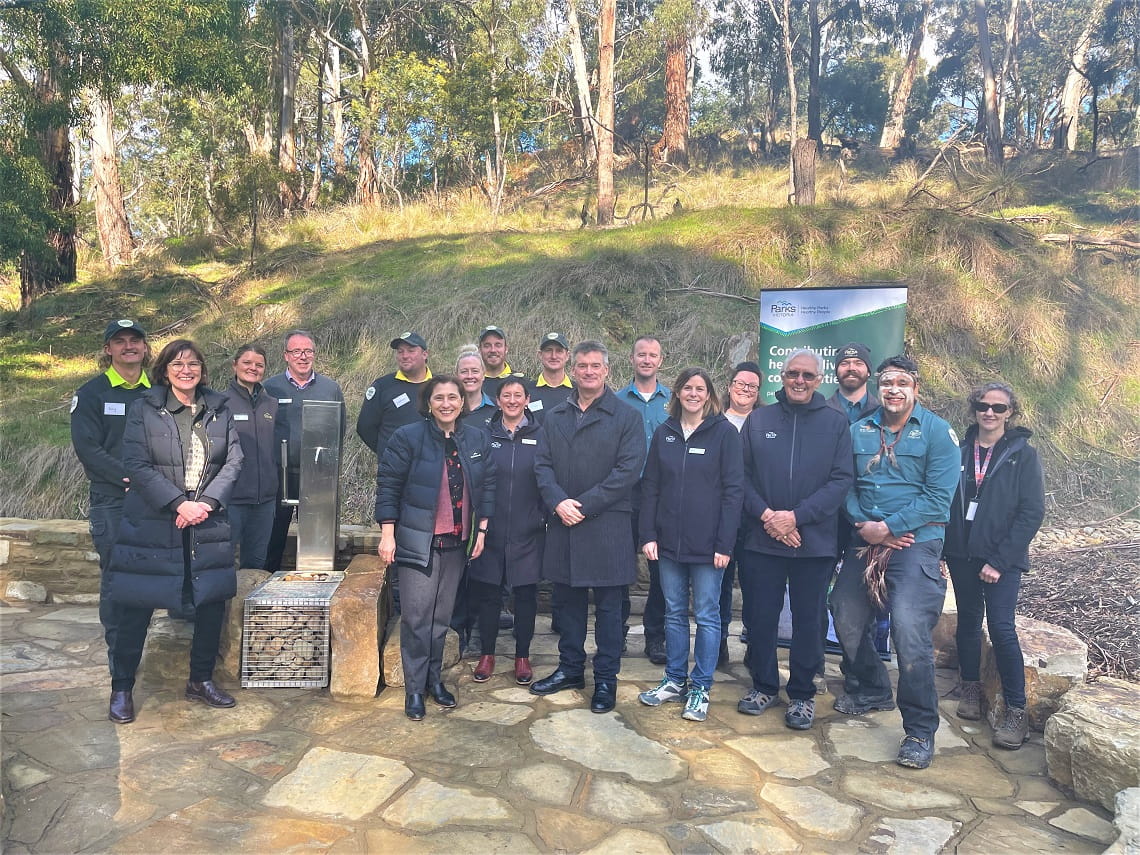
[[798, 467], [173, 551], [691, 495], [514, 543], [998, 509], [435, 493]]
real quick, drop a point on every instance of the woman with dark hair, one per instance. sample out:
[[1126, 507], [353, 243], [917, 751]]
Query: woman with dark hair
[[182, 453], [435, 493], [691, 492], [998, 509], [253, 503], [514, 543]]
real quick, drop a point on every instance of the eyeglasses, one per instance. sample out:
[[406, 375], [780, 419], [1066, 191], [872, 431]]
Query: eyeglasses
[[299, 352], [745, 387], [182, 366], [808, 376], [982, 406]]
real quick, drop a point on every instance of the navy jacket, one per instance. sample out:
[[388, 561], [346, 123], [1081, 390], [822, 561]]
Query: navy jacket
[[408, 482], [290, 405], [98, 418], [255, 417], [147, 562], [512, 550], [391, 402], [1011, 504], [595, 458], [796, 458], [692, 490]]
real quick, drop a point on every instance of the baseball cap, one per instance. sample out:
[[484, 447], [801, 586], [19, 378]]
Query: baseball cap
[[412, 338], [553, 338], [492, 330], [123, 325]]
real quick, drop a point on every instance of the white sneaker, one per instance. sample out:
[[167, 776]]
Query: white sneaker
[[664, 692], [697, 705]]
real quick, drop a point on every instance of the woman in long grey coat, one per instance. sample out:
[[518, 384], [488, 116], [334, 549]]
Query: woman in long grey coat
[[182, 454]]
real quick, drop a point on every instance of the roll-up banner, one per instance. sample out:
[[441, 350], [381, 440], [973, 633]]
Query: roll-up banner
[[823, 320]]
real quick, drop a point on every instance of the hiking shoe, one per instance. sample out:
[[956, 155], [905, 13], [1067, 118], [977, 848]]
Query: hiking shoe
[[970, 700], [655, 651], [915, 752], [662, 693], [697, 705], [858, 704], [755, 702], [800, 714], [1013, 730]]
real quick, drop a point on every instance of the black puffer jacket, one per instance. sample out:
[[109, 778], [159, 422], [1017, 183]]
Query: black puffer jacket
[[1011, 504], [147, 566], [796, 458], [408, 483], [513, 548]]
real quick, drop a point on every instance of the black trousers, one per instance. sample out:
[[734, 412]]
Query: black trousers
[[281, 520], [488, 599]]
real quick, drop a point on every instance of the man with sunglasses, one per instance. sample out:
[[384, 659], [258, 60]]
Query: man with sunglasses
[[906, 472], [299, 382]]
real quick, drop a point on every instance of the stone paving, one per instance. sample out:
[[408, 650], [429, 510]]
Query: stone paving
[[292, 770]]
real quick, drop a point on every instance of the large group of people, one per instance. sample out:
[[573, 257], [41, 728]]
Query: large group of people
[[489, 482]]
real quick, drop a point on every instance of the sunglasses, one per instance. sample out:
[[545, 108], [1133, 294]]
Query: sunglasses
[[982, 406], [809, 376]]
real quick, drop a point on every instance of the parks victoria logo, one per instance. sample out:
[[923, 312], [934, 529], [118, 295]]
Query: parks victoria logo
[[782, 308]]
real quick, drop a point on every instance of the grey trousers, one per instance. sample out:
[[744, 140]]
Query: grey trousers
[[426, 602]]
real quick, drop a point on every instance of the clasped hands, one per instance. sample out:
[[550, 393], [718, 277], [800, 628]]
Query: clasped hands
[[878, 533], [191, 513], [781, 526]]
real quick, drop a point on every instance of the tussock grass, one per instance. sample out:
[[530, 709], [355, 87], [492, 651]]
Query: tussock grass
[[988, 300]]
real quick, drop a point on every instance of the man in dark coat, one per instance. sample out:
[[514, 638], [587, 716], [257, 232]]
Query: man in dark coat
[[587, 466]]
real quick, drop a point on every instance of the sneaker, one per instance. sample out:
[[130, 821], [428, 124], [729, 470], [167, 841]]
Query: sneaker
[[697, 705], [664, 692], [1013, 730], [858, 704], [970, 700], [915, 752], [755, 702], [800, 714]]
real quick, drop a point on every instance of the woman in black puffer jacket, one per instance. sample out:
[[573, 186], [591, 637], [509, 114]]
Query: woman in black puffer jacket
[[998, 509], [435, 492], [182, 455]]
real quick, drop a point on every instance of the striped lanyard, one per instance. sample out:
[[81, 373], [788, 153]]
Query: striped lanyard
[[980, 466]]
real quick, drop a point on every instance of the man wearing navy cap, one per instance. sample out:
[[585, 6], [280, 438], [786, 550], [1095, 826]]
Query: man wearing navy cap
[[553, 385], [493, 350], [392, 400], [98, 415]]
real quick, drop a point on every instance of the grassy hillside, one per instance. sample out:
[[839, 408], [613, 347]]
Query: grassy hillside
[[988, 300]]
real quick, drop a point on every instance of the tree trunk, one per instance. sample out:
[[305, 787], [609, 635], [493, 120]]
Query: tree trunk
[[1076, 85], [675, 138], [895, 127], [286, 142], [39, 276], [783, 16], [336, 106], [990, 124], [582, 84], [1007, 59], [803, 171], [115, 239], [318, 131], [815, 124], [607, 24]]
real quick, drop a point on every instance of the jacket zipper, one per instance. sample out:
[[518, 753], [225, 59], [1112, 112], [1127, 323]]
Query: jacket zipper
[[681, 492], [792, 465]]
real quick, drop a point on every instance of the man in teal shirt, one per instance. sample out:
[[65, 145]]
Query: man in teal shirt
[[907, 464]]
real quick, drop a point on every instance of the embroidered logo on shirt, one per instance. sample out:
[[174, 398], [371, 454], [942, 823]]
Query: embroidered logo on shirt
[[670, 438], [916, 433], [475, 455], [496, 444], [770, 435], [369, 393], [74, 403]]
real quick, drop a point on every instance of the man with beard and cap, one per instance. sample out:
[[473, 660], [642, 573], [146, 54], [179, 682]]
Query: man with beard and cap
[[907, 464], [98, 416], [493, 351], [853, 398], [392, 401]]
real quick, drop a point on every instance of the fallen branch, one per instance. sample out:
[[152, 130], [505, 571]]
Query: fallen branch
[[690, 289], [1128, 247]]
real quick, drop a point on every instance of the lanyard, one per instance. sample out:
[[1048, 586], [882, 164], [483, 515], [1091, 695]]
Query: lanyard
[[980, 467]]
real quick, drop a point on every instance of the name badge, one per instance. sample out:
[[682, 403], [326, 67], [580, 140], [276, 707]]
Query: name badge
[[534, 406], [114, 408], [284, 401], [241, 417], [400, 400], [529, 441], [971, 510], [696, 451]]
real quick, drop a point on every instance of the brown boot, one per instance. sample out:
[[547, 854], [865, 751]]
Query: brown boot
[[484, 669], [209, 693], [1013, 730], [523, 672], [970, 700]]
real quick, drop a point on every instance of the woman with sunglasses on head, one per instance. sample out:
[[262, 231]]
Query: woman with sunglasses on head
[[183, 455], [998, 509]]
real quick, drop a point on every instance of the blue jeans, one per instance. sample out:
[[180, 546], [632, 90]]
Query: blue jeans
[[996, 602], [572, 610], [250, 526], [105, 515], [763, 579], [916, 591], [677, 579]]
